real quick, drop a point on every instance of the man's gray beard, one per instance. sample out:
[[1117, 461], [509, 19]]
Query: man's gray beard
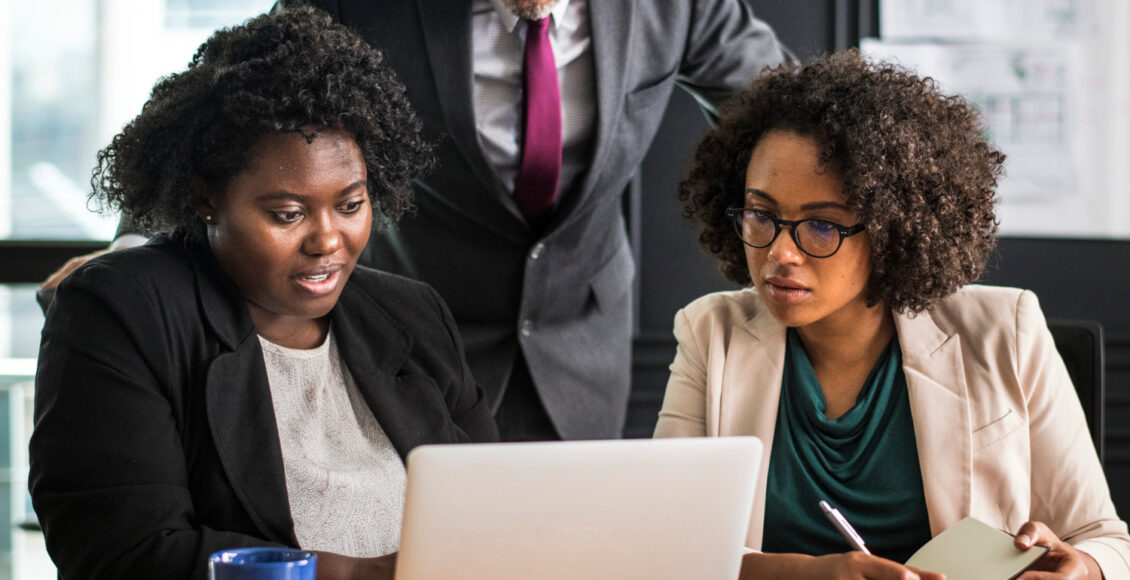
[[530, 9]]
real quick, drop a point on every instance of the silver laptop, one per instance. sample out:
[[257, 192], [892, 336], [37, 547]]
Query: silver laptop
[[644, 508]]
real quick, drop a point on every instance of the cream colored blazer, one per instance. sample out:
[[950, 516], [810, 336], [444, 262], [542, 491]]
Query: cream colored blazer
[[1001, 434]]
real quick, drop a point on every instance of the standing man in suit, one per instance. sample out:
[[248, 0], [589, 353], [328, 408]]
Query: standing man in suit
[[520, 227]]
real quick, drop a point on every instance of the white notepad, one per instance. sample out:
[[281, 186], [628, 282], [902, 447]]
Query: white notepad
[[974, 550]]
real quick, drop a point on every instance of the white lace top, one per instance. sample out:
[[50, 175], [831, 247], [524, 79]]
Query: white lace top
[[344, 479]]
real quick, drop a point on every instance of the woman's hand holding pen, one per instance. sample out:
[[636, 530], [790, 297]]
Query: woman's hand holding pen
[[857, 565], [847, 566], [1062, 561]]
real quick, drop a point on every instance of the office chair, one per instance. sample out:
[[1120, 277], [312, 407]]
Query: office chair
[[1080, 344]]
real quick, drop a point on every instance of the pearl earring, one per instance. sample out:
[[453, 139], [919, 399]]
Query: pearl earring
[[208, 218]]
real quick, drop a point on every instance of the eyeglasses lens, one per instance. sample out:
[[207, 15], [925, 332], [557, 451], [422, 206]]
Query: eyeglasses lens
[[758, 229], [817, 237]]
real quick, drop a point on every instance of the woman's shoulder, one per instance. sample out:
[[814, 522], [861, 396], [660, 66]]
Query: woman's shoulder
[[388, 288], [976, 300], [409, 303], [380, 307], [728, 307], [986, 293], [153, 268], [148, 291], [977, 305]]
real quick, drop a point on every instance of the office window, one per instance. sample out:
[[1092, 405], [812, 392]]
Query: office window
[[72, 73]]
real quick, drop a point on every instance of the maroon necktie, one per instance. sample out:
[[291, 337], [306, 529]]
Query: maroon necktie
[[535, 187]]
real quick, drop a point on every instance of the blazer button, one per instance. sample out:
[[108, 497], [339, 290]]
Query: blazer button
[[527, 327], [536, 251]]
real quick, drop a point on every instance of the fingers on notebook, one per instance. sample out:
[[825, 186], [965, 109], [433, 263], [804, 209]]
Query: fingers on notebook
[[926, 574], [1061, 561], [859, 565], [1032, 533]]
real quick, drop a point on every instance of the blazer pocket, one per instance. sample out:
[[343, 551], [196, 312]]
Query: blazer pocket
[[996, 430]]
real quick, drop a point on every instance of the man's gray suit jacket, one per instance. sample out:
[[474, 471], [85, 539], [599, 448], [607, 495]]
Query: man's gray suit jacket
[[561, 295]]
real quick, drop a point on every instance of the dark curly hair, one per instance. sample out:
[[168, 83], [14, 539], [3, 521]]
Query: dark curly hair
[[916, 165], [287, 71]]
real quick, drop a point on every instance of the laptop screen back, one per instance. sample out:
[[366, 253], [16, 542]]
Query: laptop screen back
[[664, 508]]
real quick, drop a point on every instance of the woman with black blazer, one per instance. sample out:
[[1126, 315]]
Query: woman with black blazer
[[240, 381]]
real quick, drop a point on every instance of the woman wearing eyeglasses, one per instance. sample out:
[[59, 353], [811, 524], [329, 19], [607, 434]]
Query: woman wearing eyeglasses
[[855, 203]]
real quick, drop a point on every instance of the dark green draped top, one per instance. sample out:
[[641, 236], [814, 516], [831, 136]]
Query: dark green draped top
[[865, 463]]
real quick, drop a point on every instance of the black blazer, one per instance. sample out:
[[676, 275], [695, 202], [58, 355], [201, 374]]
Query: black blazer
[[155, 441]]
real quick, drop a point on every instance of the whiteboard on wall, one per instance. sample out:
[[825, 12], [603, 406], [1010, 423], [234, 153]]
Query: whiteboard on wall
[[1052, 80]]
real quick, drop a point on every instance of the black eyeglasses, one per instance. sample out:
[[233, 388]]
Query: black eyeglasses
[[817, 238]]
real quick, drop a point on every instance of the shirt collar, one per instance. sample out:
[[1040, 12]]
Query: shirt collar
[[510, 20]]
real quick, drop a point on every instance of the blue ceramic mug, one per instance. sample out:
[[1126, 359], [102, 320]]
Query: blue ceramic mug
[[262, 564]]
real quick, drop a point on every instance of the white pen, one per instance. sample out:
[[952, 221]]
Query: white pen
[[844, 527]]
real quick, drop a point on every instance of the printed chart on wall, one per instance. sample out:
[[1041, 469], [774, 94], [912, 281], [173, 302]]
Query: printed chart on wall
[[1052, 80]]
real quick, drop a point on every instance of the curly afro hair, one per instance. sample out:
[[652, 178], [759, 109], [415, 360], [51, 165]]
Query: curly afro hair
[[916, 165], [288, 71]]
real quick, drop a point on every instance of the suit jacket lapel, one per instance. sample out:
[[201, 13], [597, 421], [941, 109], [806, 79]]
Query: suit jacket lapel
[[242, 419], [610, 26], [241, 416], [447, 34], [755, 361], [939, 404], [360, 322]]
